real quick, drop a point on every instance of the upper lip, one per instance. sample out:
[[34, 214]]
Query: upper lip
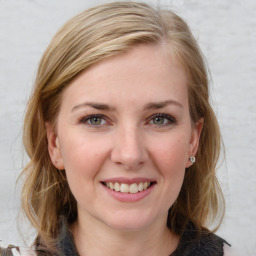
[[128, 180]]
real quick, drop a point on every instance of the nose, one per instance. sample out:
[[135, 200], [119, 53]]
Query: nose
[[129, 149]]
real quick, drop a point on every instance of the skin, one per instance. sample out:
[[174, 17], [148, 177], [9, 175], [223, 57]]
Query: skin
[[127, 141]]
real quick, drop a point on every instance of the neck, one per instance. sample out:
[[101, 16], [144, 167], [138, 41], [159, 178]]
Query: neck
[[99, 239]]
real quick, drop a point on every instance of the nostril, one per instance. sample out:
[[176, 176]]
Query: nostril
[[129, 150]]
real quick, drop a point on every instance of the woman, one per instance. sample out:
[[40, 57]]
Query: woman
[[122, 140]]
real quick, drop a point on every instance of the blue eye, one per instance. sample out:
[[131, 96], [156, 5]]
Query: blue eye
[[162, 120], [159, 120], [93, 120]]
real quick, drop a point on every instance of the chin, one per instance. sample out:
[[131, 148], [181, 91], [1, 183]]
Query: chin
[[128, 226], [130, 221]]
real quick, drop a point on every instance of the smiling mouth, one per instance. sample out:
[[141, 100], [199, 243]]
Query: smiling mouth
[[128, 188]]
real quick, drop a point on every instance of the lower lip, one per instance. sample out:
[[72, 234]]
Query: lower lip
[[129, 197]]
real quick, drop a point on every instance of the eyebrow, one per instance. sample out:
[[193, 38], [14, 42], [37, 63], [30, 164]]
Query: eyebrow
[[95, 105], [149, 106], [162, 104]]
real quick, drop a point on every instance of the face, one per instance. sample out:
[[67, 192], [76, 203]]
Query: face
[[124, 137]]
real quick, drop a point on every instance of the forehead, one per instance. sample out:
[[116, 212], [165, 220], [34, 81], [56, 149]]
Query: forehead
[[144, 73]]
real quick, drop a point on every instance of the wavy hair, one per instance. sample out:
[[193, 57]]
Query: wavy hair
[[91, 36]]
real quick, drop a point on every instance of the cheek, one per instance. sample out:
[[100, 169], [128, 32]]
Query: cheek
[[82, 157], [170, 157], [172, 167], [169, 160], [82, 162], [172, 152]]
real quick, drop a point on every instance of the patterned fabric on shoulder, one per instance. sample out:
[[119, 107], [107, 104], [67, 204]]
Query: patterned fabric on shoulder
[[12, 250]]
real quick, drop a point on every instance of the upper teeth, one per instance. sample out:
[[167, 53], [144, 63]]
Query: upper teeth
[[126, 188]]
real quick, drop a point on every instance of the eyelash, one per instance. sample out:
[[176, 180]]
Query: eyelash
[[170, 120], [86, 119]]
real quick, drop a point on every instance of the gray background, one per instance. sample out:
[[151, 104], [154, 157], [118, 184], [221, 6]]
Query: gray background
[[226, 32]]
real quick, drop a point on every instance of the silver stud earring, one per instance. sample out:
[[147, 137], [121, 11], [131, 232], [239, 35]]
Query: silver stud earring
[[192, 159]]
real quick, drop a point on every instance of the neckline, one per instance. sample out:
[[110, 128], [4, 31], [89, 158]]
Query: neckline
[[188, 240]]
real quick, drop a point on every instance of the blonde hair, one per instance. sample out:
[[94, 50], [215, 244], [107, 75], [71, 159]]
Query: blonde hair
[[91, 36]]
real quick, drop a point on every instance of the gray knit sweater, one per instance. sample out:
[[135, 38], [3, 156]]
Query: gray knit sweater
[[208, 244]]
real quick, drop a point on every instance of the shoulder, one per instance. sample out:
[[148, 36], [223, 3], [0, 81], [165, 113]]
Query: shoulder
[[212, 244], [205, 243], [12, 250]]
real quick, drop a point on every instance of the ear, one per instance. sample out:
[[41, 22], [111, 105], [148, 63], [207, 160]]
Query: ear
[[194, 140], [54, 146]]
